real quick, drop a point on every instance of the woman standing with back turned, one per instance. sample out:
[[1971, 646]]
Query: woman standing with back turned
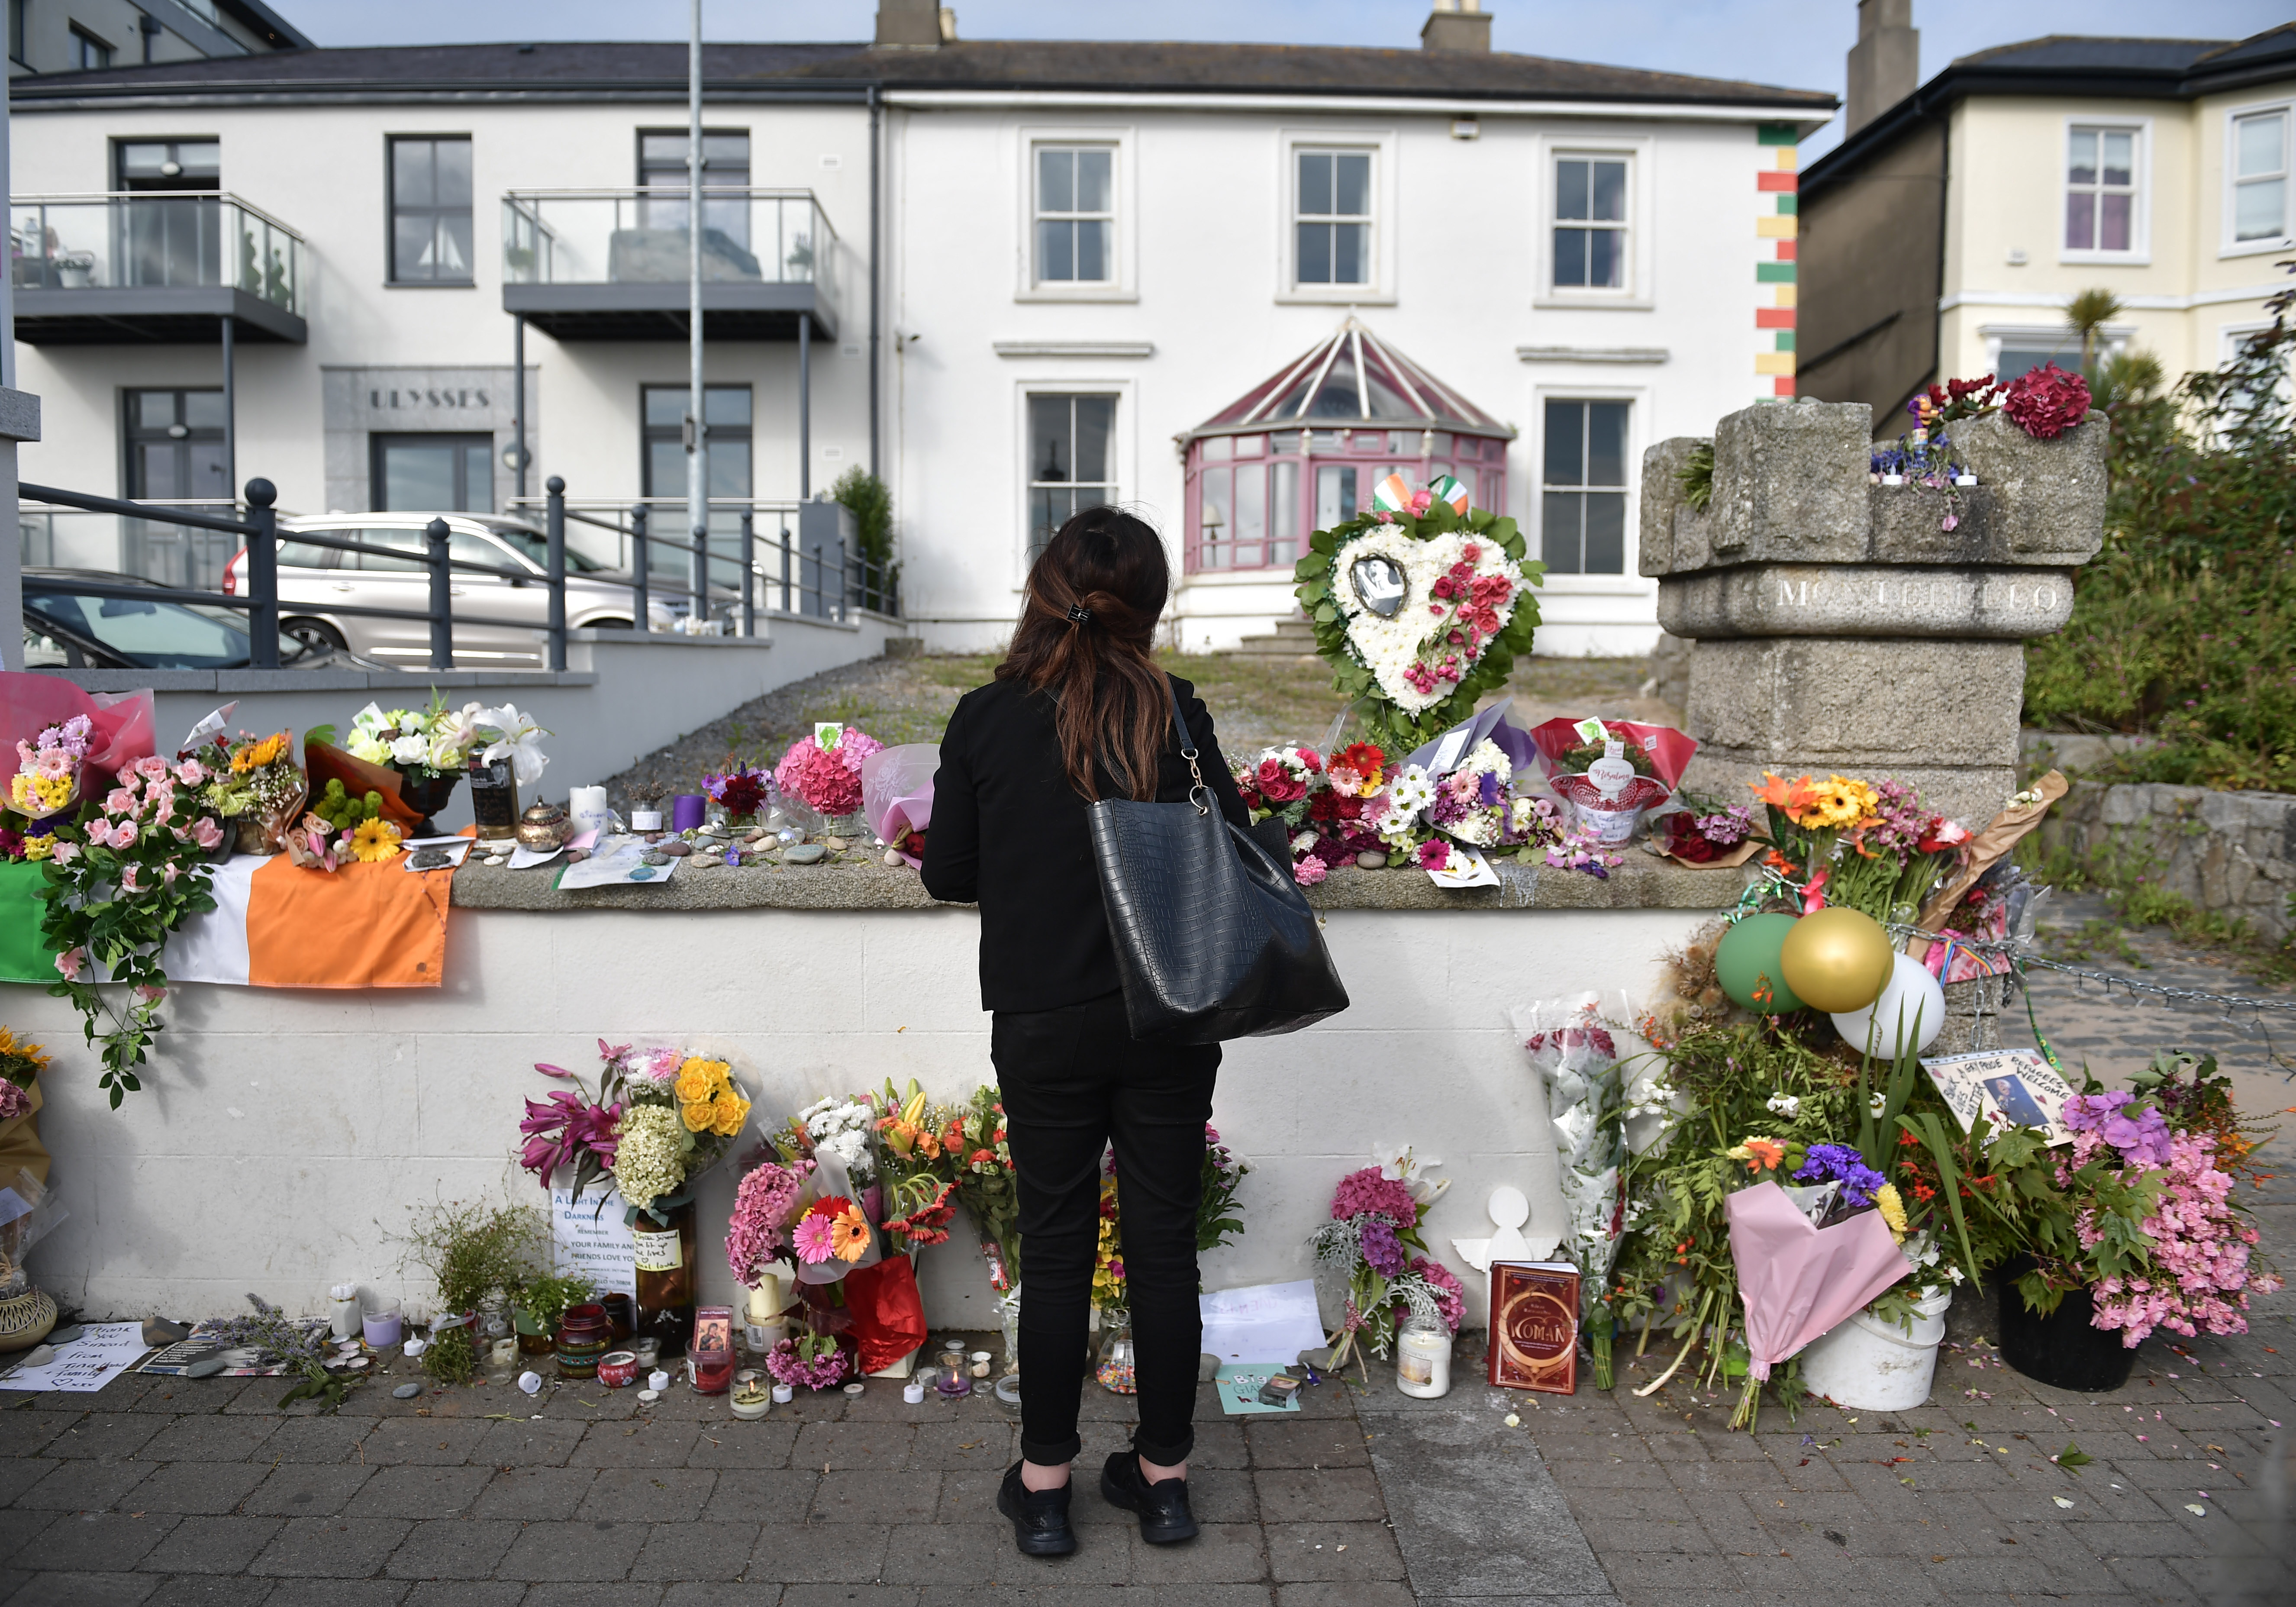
[[1079, 711]]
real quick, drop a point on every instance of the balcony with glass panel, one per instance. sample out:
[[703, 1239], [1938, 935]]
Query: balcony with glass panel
[[145, 268], [613, 265]]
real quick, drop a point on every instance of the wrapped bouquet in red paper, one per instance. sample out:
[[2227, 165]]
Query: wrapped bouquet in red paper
[[1611, 773]]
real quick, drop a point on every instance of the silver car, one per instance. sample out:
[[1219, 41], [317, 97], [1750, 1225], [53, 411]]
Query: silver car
[[316, 581]]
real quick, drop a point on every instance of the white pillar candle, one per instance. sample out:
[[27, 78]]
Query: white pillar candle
[[586, 806]]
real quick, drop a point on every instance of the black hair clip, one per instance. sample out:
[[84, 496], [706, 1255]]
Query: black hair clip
[[1078, 614]]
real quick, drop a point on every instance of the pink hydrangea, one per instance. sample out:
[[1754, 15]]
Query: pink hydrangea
[[14, 1101], [1369, 1190], [759, 1227], [831, 782], [1450, 1294]]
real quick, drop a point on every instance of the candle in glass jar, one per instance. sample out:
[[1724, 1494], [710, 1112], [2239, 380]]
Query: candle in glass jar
[[1422, 1360]]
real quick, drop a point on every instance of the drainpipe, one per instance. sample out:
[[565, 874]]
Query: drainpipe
[[697, 448], [230, 414], [875, 206]]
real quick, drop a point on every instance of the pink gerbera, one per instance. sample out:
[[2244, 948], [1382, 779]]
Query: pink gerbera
[[816, 1239]]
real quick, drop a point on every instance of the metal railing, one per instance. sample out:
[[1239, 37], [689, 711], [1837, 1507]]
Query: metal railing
[[161, 548], [258, 594], [115, 241], [775, 570], [638, 236]]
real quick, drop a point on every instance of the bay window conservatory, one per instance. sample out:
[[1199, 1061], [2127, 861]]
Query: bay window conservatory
[[1302, 450]]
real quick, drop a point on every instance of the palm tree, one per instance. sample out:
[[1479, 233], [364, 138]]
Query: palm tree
[[2088, 313]]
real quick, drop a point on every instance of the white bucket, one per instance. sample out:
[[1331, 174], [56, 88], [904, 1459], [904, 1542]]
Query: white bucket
[[1874, 1365]]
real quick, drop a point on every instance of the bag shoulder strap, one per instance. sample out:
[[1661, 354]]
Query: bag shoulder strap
[[1199, 794]]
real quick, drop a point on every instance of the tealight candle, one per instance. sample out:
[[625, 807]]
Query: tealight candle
[[913, 1392], [784, 1394], [658, 1379]]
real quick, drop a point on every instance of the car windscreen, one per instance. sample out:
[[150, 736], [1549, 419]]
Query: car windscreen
[[149, 634], [537, 548]]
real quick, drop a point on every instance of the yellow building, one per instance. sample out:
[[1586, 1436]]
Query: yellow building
[[1947, 232]]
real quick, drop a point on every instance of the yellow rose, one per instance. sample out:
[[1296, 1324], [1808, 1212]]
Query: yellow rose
[[698, 1080], [698, 1115], [732, 1111]]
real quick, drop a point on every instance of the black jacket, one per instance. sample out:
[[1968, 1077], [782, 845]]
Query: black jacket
[[1009, 832]]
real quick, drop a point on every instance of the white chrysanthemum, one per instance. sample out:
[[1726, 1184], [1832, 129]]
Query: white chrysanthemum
[[1409, 793], [1787, 1106]]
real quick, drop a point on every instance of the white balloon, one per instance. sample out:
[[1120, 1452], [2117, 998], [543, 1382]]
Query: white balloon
[[1905, 1020]]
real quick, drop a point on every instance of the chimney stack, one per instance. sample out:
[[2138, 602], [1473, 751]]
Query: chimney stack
[[1885, 64], [914, 25], [1458, 25]]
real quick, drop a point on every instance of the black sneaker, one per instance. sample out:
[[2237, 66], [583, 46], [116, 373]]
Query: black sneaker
[[1040, 1518], [1162, 1506]]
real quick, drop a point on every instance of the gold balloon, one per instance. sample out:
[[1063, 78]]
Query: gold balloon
[[1836, 960]]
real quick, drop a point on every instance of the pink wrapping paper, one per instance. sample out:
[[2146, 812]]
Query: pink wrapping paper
[[896, 792], [122, 722], [1798, 1282]]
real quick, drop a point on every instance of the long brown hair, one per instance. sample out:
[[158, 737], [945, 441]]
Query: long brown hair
[[1087, 626]]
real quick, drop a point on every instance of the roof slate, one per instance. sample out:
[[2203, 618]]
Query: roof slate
[[999, 64]]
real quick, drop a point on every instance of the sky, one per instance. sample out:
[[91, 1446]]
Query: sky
[[1800, 43]]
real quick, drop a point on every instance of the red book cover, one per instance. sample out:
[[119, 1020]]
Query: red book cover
[[1534, 1326]]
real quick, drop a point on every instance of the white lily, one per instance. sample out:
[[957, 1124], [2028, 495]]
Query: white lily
[[517, 738]]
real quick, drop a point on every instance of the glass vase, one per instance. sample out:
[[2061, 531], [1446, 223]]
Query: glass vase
[[1114, 1367], [668, 1278]]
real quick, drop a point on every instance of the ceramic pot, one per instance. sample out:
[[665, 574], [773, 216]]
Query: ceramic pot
[[617, 1369], [2061, 1349], [583, 1336], [426, 798]]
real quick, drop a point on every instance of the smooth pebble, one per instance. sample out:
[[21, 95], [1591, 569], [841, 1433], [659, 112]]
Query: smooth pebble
[[406, 1391], [1372, 859], [893, 858], [807, 853]]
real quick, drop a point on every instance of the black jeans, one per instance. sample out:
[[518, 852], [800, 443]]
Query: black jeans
[[1074, 1081]]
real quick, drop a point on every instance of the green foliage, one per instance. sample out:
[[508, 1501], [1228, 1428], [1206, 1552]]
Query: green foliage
[[870, 501], [91, 917], [1696, 476], [451, 1356], [2185, 623], [545, 1297], [473, 1250], [1318, 575]]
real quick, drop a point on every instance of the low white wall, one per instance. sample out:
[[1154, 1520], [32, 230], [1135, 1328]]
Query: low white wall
[[282, 1136], [623, 695]]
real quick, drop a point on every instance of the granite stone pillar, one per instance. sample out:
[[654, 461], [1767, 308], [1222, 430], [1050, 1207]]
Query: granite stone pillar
[[1839, 628]]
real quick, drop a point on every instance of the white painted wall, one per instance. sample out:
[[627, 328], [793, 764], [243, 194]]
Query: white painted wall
[[283, 1136], [1201, 240]]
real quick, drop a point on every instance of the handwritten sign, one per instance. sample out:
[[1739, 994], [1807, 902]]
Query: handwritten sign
[[593, 1242], [102, 1352]]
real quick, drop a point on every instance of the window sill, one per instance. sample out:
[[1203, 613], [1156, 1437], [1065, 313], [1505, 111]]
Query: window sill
[[1620, 301], [430, 284], [1277, 571], [1094, 292], [2258, 248], [1337, 295], [1597, 585], [2105, 259]]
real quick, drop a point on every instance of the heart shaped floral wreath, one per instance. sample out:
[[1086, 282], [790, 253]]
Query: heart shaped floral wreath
[[1421, 606]]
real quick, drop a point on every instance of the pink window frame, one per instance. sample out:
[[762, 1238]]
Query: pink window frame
[[1364, 448]]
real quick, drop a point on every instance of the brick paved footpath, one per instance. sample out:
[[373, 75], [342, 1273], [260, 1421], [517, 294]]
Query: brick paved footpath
[[162, 1492]]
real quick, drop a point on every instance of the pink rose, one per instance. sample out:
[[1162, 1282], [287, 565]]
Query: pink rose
[[71, 963], [131, 879], [191, 773], [1422, 500], [119, 800], [66, 852], [152, 767], [207, 833], [150, 994], [167, 874]]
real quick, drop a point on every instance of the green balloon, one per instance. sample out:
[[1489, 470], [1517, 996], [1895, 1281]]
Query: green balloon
[[1746, 963]]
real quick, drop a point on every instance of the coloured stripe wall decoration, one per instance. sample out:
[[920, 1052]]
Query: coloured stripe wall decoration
[[1777, 225]]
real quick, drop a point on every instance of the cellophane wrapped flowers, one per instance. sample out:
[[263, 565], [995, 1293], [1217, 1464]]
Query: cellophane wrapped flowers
[[828, 778], [48, 769], [1577, 1058]]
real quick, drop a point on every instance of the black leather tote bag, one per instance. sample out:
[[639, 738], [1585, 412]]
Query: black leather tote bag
[[1214, 939]]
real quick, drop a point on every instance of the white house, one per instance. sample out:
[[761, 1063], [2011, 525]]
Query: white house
[[1015, 276]]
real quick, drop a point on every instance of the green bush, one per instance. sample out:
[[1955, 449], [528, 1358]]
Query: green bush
[[2184, 626]]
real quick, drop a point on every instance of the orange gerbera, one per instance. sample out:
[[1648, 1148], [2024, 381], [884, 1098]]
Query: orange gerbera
[[849, 1234], [1759, 1154]]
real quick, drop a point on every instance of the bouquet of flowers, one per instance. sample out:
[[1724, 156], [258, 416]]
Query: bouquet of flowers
[[744, 792], [757, 1234], [421, 744], [578, 1127], [1276, 784], [825, 769], [841, 1130], [129, 873], [810, 1359], [680, 1115], [919, 1197], [1373, 1226], [1577, 1058], [46, 782], [1709, 832], [1873, 848], [256, 783], [1419, 605], [974, 1150], [21, 1062], [833, 1227], [1219, 1217]]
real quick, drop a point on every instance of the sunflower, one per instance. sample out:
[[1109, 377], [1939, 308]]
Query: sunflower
[[20, 1059], [255, 756], [374, 839]]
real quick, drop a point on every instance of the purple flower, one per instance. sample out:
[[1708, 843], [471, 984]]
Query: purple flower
[[1382, 1249], [1830, 1162]]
